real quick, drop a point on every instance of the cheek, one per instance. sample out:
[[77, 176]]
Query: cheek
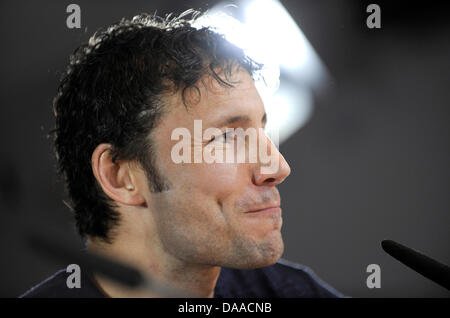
[[201, 201], [190, 222], [201, 194], [214, 181]]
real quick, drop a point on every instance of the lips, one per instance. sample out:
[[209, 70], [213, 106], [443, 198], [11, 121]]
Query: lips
[[265, 210], [264, 202]]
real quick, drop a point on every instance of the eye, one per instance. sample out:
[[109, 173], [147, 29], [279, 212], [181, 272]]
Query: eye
[[226, 137]]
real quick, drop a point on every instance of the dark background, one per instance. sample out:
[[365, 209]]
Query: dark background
[[371, 164]]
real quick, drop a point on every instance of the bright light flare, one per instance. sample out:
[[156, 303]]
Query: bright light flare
[[269, 35]]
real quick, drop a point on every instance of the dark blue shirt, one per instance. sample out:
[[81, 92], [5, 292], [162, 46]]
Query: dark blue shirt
[[283, 279]]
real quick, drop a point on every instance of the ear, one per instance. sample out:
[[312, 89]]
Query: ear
[[117, 179]]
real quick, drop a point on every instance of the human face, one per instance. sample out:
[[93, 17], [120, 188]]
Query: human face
[[207, 215]]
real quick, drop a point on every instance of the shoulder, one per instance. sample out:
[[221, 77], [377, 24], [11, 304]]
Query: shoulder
[[297, 273], [55, 286], [283, 279]]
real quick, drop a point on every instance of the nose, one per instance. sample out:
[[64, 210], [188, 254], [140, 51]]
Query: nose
[[273, 173]]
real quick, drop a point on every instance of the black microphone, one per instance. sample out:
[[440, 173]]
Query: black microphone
[[424, 265]]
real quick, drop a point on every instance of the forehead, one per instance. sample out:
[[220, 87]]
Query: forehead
[[214, 101]]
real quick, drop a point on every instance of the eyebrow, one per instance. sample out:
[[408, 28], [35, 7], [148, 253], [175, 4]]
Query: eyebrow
[[240, 118]]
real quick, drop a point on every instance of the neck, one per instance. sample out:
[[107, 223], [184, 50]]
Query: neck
[[145, 253]]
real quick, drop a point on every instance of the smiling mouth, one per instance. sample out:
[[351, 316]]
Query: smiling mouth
[[265, 211]]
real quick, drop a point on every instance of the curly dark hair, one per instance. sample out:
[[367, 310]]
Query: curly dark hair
[[113, 92]]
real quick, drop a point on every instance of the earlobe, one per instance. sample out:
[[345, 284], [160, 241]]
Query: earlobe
[[115, 178]]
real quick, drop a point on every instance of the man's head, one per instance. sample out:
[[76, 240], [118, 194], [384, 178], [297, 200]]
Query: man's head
[[123, 95]]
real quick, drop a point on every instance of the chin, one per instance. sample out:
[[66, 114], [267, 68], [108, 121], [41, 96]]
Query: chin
[[262, 254], [269, 255]]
